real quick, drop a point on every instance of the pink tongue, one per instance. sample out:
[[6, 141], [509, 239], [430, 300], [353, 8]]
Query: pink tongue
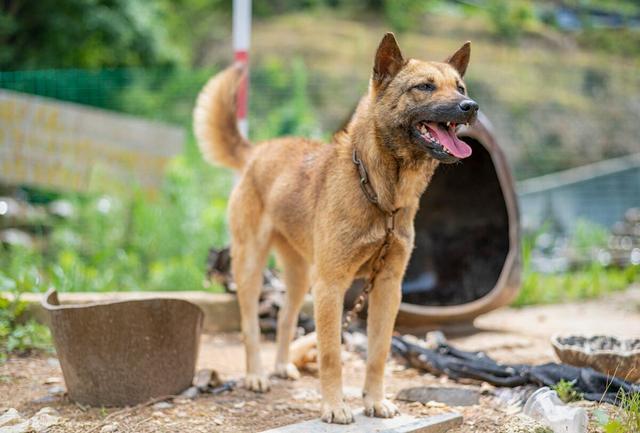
[[448, 139]]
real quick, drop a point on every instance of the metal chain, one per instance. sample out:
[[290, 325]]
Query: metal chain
[[382, 252], [366, 187]]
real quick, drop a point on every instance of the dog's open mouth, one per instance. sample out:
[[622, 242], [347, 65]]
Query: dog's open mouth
[[440, 138]]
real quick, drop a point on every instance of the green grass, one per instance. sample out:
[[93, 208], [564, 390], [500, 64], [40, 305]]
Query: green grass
[[623, 419], [592, 282], [588, 281]]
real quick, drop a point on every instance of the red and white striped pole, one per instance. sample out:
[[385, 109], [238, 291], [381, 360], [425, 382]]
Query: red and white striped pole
[[241, 42]]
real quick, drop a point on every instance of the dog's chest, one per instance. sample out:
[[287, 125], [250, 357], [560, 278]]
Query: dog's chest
[[411, 183]]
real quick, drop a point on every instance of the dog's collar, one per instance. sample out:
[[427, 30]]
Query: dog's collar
[[370, 193]]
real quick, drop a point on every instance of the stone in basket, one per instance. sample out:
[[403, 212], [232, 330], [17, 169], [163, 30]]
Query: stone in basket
[[607, 354]]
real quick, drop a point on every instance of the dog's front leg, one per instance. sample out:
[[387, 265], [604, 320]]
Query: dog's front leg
[[384, 302], [328, 299]]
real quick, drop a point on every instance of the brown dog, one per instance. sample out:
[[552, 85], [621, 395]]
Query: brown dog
[[302, 199]]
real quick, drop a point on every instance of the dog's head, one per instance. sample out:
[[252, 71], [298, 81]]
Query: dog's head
[[417, 105]]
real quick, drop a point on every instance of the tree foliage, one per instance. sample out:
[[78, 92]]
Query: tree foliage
[[82, 34]]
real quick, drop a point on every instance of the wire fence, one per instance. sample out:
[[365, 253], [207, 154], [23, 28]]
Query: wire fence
[[546, 120], [546, 117]]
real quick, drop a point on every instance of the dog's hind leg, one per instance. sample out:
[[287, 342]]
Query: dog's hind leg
[[295, 273]]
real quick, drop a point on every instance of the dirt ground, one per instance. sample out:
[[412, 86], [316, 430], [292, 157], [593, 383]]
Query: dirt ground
[[509, 335]]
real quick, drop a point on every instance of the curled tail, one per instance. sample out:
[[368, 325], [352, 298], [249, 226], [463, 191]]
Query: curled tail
[[215, 124]]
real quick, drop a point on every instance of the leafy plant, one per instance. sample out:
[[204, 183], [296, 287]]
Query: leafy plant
[[16, 334], [567, 392]]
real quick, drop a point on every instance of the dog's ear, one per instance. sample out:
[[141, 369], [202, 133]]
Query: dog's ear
[[460, 59], [389, 59]]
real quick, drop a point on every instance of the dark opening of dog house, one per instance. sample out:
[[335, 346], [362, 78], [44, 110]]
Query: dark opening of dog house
[[466, 259]]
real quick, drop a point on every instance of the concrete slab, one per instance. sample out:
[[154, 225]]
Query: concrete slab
[[364, 424], [451, 396]]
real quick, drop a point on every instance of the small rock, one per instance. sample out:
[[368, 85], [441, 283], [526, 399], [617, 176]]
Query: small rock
[[11, 417], [218, 421], [45, 418], [190, 393], [52, 380], [486, 388], [57, 390], [205, 379], [109, 428], [448, 396], [47, 399], [434, 339], [49, 411], [162, 405], [23, 427]]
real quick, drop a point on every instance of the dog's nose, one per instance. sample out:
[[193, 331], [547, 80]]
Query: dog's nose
[[468, 105]]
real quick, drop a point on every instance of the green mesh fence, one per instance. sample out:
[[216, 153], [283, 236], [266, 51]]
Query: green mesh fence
[[98, 88], [155, 93], [280, 97]]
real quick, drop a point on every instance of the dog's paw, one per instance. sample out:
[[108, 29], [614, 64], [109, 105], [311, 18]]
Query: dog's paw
[[287, 371], [380, 408], [337, 413], [257, 382]]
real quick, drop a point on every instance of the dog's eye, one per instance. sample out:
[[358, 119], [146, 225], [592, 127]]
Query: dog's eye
[[461, 89], [425, 87]]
